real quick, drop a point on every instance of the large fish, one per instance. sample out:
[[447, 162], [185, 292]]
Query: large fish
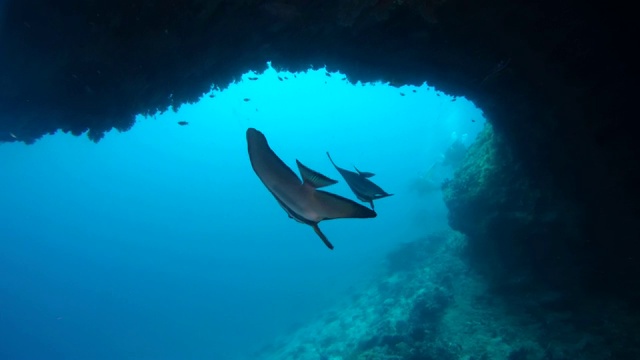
[[365, 189], [300, 199]]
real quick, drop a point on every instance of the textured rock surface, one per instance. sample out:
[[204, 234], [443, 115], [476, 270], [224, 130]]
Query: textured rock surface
[[440, 309], [554, 79]]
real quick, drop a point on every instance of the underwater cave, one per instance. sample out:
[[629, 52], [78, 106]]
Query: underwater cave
[[542, 205]]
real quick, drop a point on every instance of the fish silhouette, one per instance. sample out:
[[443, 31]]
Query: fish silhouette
[[301, 200]]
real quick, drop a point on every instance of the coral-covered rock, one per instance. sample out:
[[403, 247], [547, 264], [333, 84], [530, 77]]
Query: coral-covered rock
[[515, 232]]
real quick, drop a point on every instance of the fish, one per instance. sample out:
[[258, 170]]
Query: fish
[[301, 200], [279, 78], [364, 189], [246, 99], [253, 78], [183, 123]]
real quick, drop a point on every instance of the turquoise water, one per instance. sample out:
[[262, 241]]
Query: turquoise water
[[162, 243]]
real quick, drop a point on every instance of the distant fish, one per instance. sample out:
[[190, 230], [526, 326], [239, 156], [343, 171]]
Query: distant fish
[[212, 96], [246, 99], [327, 74], [183, 123], [300, 199], [359, 183], [401, 94], [286, 78], [279, 78], [253, 78], [414, 90], [344, 78]]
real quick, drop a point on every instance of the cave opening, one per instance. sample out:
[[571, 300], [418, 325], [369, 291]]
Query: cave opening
[[179, 186]]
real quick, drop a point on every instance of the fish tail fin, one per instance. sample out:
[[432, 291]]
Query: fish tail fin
[[322, 237]]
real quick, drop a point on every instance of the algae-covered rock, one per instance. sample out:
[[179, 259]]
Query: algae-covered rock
[[521, 232], [488, 189]]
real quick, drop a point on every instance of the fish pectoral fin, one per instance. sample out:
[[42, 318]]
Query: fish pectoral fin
[[314, 178], [324, 238]]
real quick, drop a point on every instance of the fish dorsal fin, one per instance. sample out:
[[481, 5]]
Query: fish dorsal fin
[[364, 173], [314, 178]]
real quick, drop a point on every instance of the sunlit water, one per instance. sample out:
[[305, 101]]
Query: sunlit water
[[161, 242]]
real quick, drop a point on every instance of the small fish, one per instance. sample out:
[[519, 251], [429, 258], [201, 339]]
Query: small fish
[[301, 200], [438, 94], [454, 99], [473, 120], [183, 123], [327, 74], [253, 78], [13, 135], [294, 75], [364, 189], [279, 78], [246, 99], [401, 94], [286, 78], [344, 78], [414, 90], [212, 96]]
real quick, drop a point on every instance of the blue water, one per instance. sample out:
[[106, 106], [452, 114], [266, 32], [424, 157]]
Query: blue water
[[162, 243]]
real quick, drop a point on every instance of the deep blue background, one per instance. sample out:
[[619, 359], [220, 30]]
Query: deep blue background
[[162, 243]]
